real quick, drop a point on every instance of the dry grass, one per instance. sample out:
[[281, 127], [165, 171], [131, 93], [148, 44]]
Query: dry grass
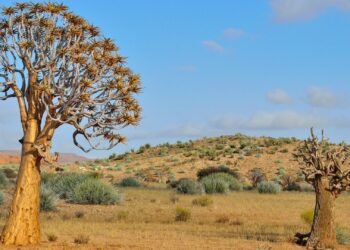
[[254, 222]]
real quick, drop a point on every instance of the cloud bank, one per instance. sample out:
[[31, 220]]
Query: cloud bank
[[278, 96], [298, 10]]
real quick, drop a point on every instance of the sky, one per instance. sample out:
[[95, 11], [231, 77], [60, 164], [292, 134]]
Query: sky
[[211, 68]]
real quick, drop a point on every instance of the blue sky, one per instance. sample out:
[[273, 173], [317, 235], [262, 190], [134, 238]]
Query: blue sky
[[260, 67]]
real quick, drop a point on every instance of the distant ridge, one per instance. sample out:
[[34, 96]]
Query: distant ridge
[[13, 156]]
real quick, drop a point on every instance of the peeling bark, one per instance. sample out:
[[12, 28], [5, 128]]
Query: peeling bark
[[22, 227], [323, 235]]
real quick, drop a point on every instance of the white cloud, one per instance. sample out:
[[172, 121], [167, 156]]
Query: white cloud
[[214, 46], [278, 96], [323, 97], [233, 33], [285, 120], [272, 120], [296, 10]]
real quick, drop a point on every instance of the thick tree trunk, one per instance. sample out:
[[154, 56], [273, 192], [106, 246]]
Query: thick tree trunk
[[323, 235], [22, 227]]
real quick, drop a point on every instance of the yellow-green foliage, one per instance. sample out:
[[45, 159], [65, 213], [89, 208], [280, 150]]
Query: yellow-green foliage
[[182, 214], [308, 216], [203, 201]]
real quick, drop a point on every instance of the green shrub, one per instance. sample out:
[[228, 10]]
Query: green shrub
[[214, 184], [203, 201], [182, 214], [268, 187], [64, 184], [293, 186], [2, 198], [186, 186], [342, 235], [233, 183], [212, 170], [94, 191], [46, 178], [306, 187], [4, 182], [308, 216], [281, 171], [48, 199], [130, 182], [247, 186]]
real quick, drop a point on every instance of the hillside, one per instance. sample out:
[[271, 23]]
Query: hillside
[[183, 159]]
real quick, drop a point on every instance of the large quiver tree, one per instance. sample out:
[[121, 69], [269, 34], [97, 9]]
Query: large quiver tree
[[61, 71], [322, 165]]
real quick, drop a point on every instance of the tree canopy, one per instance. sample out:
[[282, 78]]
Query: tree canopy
[[62, 71]]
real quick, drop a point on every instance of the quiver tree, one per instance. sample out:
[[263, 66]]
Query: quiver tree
[[61, 71], [322, 165]]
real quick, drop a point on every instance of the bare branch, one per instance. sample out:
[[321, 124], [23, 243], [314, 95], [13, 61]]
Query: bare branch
[[319, 159], [70, 75]]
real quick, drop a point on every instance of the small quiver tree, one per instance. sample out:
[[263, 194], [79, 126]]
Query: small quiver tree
[[322, 165], [61, 71]]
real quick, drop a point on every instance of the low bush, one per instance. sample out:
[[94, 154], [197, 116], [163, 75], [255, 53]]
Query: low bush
[[256, 175], [212, 170], [234, 184], [342, 235], [288, 183], [268, 187], [222, 219], [10, 173], [94, 191], [247, 186], [2, 198], [203, 201], [305, 187], [182, 214], [293, 186], [186, 186], [48, 199], [81, 239], [214, 184], [129, 182], [308, 216], [64, 184], [281, 171], [51, 237], [79, 214], [4, 182]]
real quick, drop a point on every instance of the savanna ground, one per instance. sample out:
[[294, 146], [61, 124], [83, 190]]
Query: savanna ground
[[146, 220]]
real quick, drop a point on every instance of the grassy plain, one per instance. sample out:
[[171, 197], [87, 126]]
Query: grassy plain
[[146, 220]]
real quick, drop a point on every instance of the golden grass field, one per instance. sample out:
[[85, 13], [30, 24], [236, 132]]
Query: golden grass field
[[146, 220]]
